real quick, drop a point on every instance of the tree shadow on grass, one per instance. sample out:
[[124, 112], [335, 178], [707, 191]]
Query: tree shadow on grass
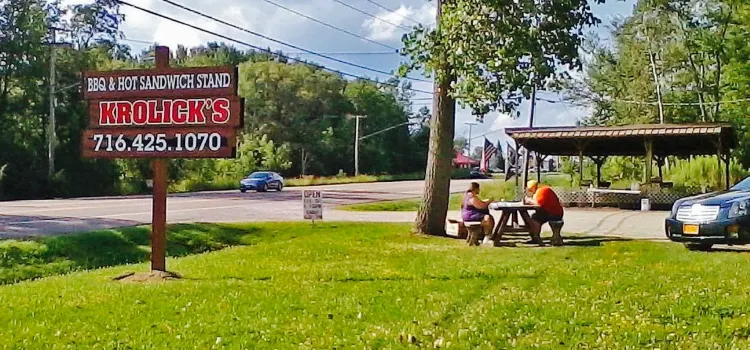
[[23, 260]]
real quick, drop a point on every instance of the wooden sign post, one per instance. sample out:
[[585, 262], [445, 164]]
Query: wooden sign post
[[159, 114]]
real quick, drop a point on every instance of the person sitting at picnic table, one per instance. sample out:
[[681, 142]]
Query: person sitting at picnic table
[[549, 207], [477, 210]]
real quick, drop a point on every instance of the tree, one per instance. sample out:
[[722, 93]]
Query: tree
[[460, 144], [699, 52], [488, 55]]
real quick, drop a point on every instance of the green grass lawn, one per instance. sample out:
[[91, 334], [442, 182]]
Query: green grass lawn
[[377, 286]]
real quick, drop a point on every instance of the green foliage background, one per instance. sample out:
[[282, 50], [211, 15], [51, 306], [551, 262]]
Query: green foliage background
[[296, 120]]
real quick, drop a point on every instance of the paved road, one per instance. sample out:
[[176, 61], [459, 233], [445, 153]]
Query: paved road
[[43, 217], [48, 217]]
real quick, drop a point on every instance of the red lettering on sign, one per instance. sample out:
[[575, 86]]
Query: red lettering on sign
[[124, 113], [166, 112], [107, 114], [179, 111], [158, 115], [195, 112], [221, 111], [140, 112]]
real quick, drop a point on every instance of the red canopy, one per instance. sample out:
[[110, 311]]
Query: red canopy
[[461, 159]]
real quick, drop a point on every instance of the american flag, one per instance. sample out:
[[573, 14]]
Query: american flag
[[489, 151]]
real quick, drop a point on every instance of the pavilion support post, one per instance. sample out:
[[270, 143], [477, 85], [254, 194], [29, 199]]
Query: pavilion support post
[[659, 162], [526, 158], [719, 156], [723, 154], [539, 160], [649, 161], [599, 162], [726, 169], [517, 160], [580, 166]]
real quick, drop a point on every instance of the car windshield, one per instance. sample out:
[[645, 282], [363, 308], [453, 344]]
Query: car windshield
[[743, 185], [258, 176]]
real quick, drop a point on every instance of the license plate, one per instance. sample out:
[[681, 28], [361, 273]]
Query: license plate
[[690, 229]]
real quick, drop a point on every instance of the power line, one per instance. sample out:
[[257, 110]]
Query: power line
[[329, 25], [347, 53], [282, 42], [138, 41], [677, 103], [392, 11], [371, 15], [292, 53], [258, 47]]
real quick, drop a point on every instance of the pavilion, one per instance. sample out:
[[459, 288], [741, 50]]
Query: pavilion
[[652, 141]]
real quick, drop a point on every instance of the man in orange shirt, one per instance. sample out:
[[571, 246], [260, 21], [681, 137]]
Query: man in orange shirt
[[549, 205]]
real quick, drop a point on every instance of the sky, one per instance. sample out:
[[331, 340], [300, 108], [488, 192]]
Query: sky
[[263, 17]]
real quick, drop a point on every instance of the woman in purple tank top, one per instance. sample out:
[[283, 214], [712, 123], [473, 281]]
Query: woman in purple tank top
[[475, 209]]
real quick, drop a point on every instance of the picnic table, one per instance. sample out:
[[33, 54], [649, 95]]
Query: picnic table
[[506, 225]]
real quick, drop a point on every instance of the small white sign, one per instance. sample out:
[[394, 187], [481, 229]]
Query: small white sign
[[312, 203]]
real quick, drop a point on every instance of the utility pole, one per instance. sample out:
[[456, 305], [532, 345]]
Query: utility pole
[[356, 144], [470, 124], [51, 137], [532, 110], [51, 124]]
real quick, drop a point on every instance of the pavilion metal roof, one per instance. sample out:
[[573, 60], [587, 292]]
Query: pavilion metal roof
[[629, 140]]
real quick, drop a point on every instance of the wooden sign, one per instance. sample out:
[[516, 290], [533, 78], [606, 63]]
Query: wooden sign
[[162, 113], [149, 113]]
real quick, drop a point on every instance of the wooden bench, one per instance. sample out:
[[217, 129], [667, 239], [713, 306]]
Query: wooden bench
[[475, 232], [471, 231], [556, 227]]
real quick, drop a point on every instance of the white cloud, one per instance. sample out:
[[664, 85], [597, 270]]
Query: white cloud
[[385, 28]]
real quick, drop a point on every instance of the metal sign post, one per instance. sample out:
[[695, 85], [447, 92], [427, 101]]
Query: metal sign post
[[159, 114]]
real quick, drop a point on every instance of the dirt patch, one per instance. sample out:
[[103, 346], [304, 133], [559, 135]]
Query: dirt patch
[[147, 277]]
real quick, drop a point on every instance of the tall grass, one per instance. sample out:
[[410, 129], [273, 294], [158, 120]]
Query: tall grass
[[704, 173]]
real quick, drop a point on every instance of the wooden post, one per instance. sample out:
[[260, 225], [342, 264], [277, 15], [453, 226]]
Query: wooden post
[[726, 157], [649, 161], [726, 167], [539, 160], [516, 165], [159, 217], [659, 162], [580, 166], [599, 162], [159, 206]]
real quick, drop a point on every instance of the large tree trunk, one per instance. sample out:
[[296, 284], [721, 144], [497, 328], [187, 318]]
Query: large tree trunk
[[434, 209]]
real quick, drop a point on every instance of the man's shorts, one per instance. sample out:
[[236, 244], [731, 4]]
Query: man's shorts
[[542, 217]]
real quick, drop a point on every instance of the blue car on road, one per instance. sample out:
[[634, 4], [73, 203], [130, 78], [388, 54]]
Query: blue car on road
[[262, 181], [713, 218]]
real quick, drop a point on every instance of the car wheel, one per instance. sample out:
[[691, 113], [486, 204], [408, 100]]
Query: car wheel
[[701, 247], [280, 187], [264, 188], [243, 190]]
